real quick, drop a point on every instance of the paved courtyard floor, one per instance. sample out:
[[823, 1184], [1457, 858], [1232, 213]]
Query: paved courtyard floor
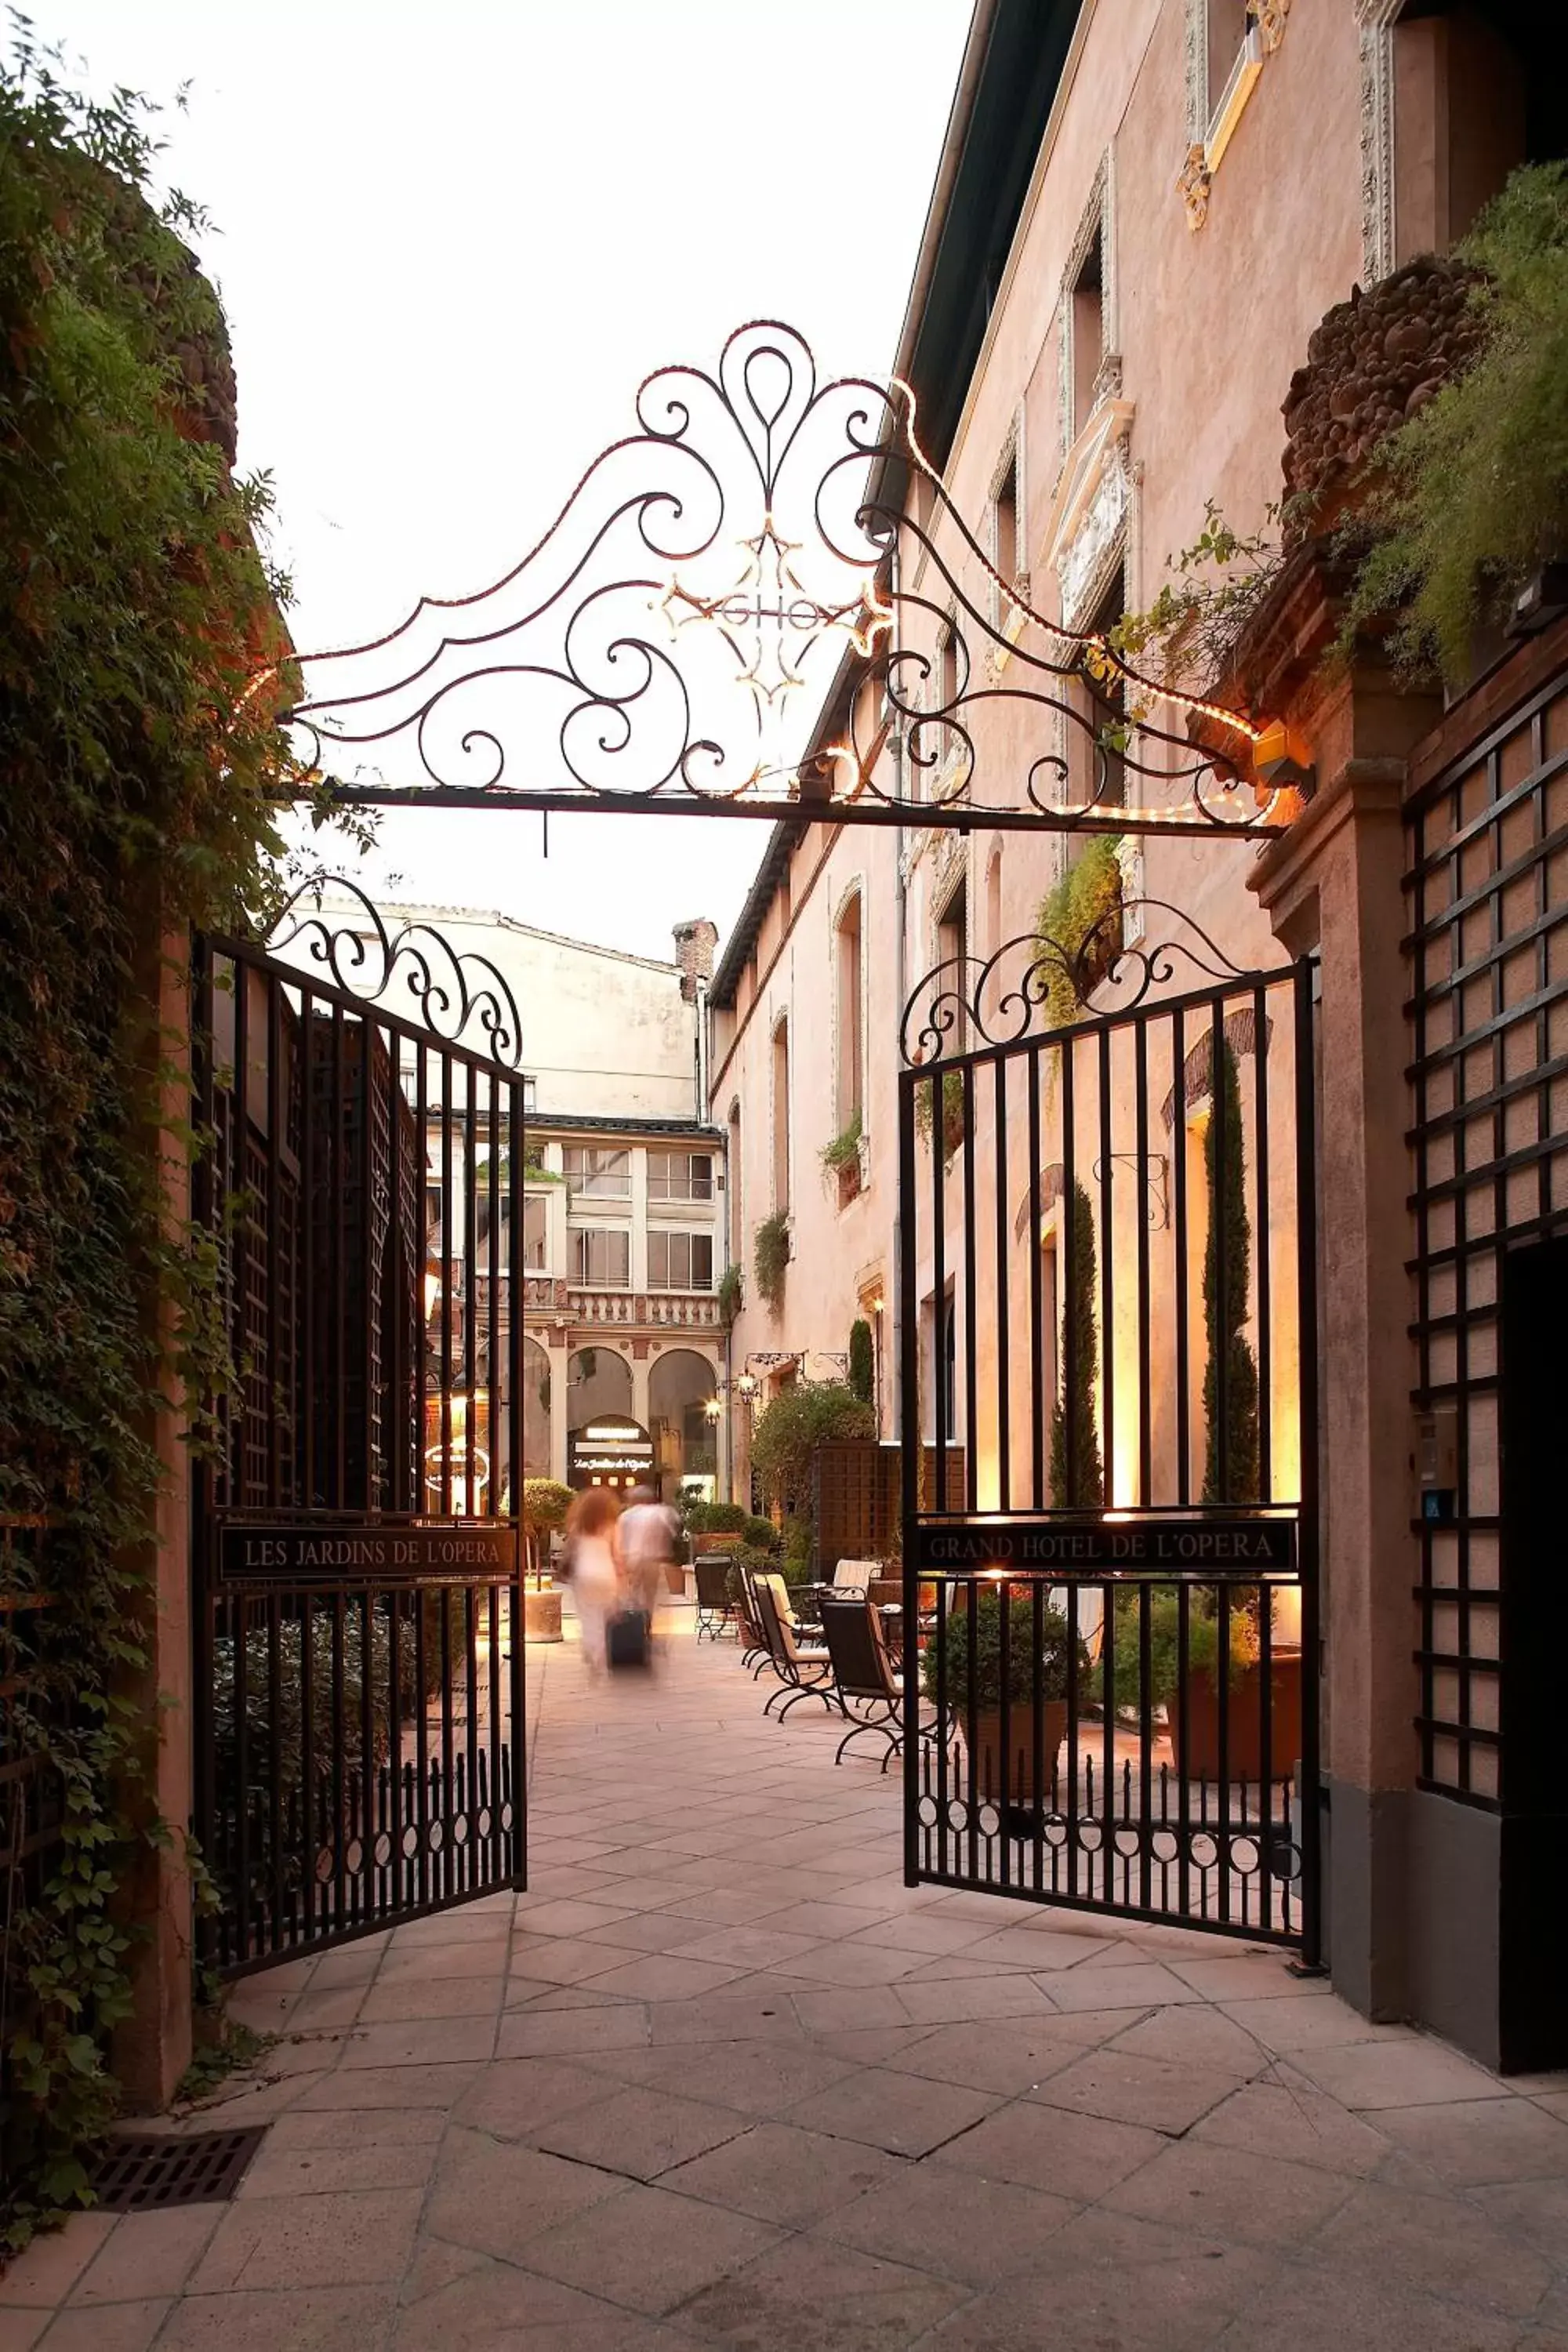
[[720, 2080]]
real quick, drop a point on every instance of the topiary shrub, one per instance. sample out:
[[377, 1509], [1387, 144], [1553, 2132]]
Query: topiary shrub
[[545, 1503], [760, 1535], [862, 1359], [1231, 1467], [715, 1518], [1077, 1474]]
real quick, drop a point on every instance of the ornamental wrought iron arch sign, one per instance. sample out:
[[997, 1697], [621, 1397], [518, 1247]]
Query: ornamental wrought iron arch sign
[[740, 562]]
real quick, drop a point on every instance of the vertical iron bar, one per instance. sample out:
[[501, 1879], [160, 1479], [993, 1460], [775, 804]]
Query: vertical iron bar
[[243, 1240], [971, 1303], [1066, 1286], [1145, 1746], [942, 1403], [1217, 1437], [1108, 1495], [341, 1181], [912, 1438], [1143, 1202], [1262, 1250], [1004, 1721], [516, 1610], [1307, 1324], [310, 1493], [1004, 1370], [1044, 1759], [371, 1304], [1040, 1404], [1179, 1191], [1222, 1703]]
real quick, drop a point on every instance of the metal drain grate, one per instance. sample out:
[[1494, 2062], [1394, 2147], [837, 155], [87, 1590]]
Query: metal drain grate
[[137, 2171]]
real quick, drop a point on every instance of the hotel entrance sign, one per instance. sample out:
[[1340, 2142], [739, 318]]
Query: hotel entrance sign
[[1232, 1544]]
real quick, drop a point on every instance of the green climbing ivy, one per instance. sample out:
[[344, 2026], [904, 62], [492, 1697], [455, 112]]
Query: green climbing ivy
[[1475, 485], [1078, 917], [136, 775]]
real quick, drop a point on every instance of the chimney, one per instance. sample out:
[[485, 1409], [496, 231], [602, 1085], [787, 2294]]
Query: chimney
[[694, 946]]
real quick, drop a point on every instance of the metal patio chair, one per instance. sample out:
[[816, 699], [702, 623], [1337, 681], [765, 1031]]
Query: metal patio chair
[[754, 1652], [715, 1604], [803, 1673], [865, 1676]]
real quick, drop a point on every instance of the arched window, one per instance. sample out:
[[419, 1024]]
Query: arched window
[[681, 1386], [781, 1118], [599, 1386], [733, 1179], [851, 1073], [536, 1408]]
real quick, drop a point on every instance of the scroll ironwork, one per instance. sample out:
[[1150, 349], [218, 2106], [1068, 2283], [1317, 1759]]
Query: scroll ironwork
[[742, 560]]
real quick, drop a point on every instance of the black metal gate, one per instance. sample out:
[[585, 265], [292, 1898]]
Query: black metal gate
[[1109, 1324], [359, 1628]]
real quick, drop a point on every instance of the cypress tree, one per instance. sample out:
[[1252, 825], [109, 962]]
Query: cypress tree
[[862, 1369], [1078, 1483], [1231, 1469]]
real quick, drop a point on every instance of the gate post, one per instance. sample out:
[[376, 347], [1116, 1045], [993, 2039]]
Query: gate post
[[152, 2047], [1332, 885]]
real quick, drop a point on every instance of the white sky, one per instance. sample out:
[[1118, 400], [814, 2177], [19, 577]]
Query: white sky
[[453, 235]]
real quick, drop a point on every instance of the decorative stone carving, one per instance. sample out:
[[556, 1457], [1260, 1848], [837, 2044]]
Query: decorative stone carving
[[1371, 362], [1089, 507], [1083, 561], [1376, 19], [1195, 180], [1270, 16]]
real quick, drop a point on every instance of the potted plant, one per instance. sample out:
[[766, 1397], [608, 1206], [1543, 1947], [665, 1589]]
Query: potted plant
[[1193, 1702], [545, 1503], [973, 1677]]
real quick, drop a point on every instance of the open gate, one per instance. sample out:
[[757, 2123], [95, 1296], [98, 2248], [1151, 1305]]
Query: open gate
[[357, 1585], [1107, 1341]]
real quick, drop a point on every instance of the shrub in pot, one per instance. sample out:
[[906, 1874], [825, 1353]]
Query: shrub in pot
[[973, 1676], [1193, 1704]]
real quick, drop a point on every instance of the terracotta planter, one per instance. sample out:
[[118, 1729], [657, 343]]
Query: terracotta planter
[[1199, 1709], [675, 1578], [1020, 1782], [541, 1616]]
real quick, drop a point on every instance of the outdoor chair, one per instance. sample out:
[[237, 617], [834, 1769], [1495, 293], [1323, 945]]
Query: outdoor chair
[[754, 1651], [803, 1673], [865, 1676], [715, 1603]]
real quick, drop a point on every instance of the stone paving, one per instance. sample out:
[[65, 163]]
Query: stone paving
[[720, 2079]]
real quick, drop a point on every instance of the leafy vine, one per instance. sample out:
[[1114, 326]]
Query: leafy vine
[[136, 779]]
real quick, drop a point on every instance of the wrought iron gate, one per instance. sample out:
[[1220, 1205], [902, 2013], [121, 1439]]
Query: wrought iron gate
[[1108, 1325], [357, 1543]]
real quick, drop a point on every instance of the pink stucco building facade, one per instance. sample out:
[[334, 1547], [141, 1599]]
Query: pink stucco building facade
[[1141, 214]]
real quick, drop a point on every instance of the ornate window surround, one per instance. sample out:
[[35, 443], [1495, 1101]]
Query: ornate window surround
[[1097, 218], [1375, 25], [1210, 132], [856, 887]]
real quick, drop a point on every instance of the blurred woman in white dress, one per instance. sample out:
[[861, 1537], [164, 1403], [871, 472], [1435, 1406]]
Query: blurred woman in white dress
[[595, 1567]]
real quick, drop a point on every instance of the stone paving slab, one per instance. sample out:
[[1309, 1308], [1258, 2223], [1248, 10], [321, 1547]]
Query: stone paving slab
[[720, 2080]]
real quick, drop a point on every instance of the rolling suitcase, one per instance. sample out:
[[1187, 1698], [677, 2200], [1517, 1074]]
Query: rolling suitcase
[[627, 1639]]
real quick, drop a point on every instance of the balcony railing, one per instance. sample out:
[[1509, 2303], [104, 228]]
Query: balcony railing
[[548, 1293]]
